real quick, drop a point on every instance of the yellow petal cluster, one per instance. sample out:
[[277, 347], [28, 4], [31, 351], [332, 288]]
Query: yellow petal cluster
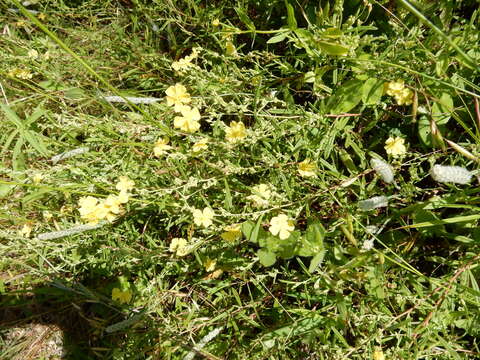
[[161, 146], [307, 168], [235, 132], [25, 230], [179, 246], [20, 74], [395, 146], [189, 121], [32, 53], [200, 145], [93, 210], [124, 184], [282, 226], [203, 217], [397, 89], [177, 96], [210, 264], [123, 297]]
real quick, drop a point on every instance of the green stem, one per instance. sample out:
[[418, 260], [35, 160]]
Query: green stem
[[470, 62]]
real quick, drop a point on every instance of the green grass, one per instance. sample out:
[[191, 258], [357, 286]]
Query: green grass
[[307, 81]]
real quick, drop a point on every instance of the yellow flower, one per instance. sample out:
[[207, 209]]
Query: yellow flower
[[42, 16], [92, 210], [230, 49], [282, 226], [112, 204], [123, 197], [260, 195], [87, 205], [307, 168], [177, 95], [25, 230], [179, 246], [215, 22], [161, 146], [123, 297], [393, 87], [124, 184], [395, 146], [200, 145], [47, 215], [37, 178], [210, 265], [203, 218], [232, 233], [378, 354], [20, 74], [397, 89], [188, 122], [404, 97], [32, 53], [235, 132]]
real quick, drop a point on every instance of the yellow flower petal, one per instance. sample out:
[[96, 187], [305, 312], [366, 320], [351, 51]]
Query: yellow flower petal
[[235, 132]]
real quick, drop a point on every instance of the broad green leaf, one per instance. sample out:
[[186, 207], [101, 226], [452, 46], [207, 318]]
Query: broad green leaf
[[372, 91], [331, 48], [75, 93], [287, 247], [247, 228], [266, 257], [312, 241], [5, 190], [425, 132], [442, 110], [346, 97], [251, 230]]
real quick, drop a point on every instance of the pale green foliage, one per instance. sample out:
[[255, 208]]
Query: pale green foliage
[[291, 110]]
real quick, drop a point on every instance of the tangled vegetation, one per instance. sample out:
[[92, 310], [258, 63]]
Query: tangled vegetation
[[259, 179]]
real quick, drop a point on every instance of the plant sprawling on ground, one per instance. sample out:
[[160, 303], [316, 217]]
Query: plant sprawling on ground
[[255, 179]]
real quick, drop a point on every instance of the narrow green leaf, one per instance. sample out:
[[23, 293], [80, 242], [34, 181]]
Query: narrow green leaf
[[453, 220], [292, 22], [228, 195], [278, 38], [242, 14], [316, 261], [331, 48]]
